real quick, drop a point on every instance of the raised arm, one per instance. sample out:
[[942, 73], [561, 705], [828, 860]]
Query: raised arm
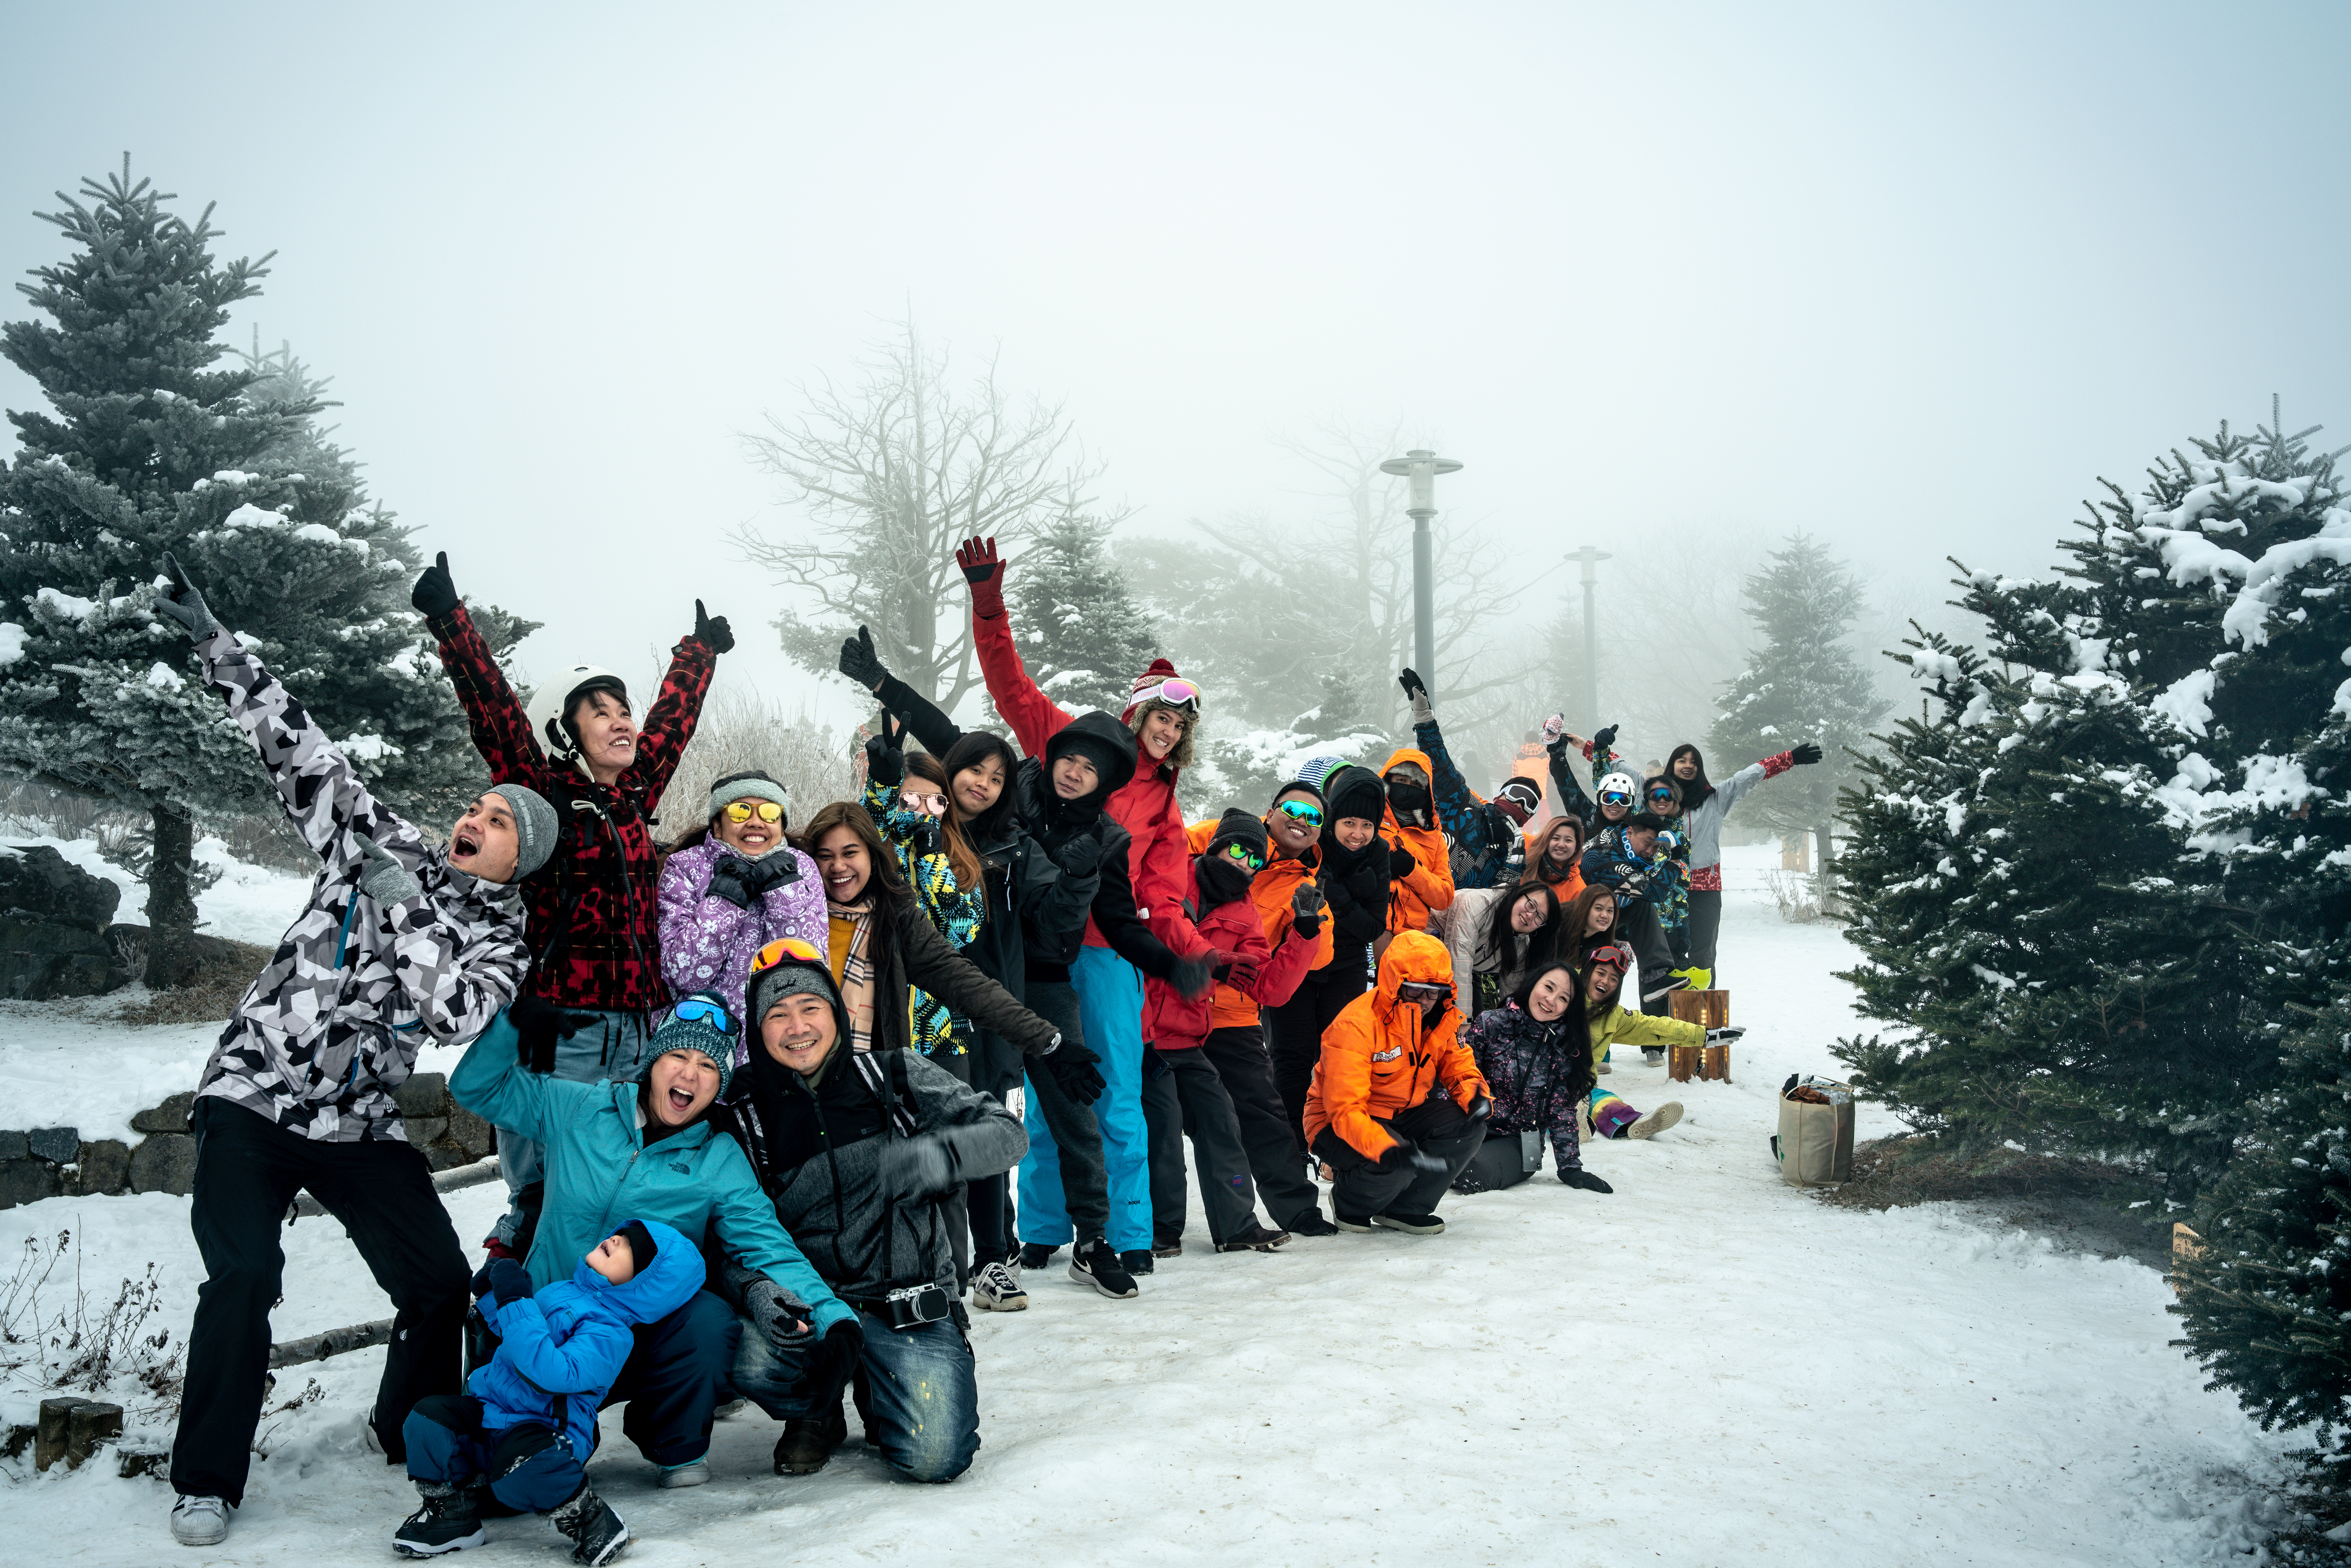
[[1035, 718], [490, 1082], [500, 726], [320, 790], [669, 725]]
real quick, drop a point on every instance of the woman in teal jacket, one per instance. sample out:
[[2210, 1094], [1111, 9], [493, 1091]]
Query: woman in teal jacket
[[646, 1149]]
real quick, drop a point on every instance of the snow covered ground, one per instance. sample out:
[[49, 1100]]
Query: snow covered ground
[[1706, 1367]]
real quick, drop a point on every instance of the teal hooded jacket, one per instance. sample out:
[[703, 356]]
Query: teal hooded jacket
[[601, 1175]]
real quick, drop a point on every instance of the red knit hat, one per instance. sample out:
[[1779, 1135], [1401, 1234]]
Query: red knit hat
[[1153, 683]]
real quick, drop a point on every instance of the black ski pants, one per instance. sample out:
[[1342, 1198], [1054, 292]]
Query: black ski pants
[[1295, 1030], [247, 1171], [1239, 1056], [1187, 1097], [1361, 1188], [1705, 928]]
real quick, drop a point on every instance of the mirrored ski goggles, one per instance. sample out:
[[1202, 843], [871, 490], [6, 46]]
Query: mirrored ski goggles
[[741, 810], [1302, 811], [1664, 797], [929, 805], [784, 948], [702, 1009], [1174, 694], [1616, 797], [1420, 993], [1246, 856]]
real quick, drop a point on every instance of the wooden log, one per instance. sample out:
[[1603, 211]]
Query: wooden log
[[142, 1458], [450, 1180], [1682, 1062], [56, 1423], [334, 1342], [90, 1424], [1711, 1010], [1715, 1066]]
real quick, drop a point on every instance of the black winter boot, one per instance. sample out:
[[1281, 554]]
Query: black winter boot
[[1034, 1255], [808, 1444], [1139, 1261], [448, 1522], [596, 1532]]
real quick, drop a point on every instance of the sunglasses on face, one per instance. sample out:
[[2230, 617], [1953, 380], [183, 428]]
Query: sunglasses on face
[[1305, 812], [1243, 855], [702, 1009], [1423, 992], [929, 805], [741, 810]]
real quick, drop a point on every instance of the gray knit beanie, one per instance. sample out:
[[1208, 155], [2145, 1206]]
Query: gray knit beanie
[[751, 786], [536, 826]]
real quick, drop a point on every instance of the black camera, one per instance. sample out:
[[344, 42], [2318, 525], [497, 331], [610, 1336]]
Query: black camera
[[911, 1306]]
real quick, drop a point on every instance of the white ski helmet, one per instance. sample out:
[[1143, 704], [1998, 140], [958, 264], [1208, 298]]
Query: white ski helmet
[[1619, 781], [551, 706]]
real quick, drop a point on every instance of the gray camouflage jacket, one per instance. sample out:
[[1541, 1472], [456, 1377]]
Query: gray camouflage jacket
[[333, 1024]]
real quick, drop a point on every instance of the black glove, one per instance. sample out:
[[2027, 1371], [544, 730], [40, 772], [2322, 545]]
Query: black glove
[[1602, 740], [781, 1318], [920, 1167], [538, 1025], [1409, 679], [434, 594], [1307, 909], [183, 604], [712, 631], [730, 881], [1804, 754], [1584, 1180], [1193, 976], [1481, 1106], [1074, 1070], [771, 871], [832, 1361], [1406, 1155], [860, 663], [1078, 855], [1400, 863], [503, 1278], [884, 763]]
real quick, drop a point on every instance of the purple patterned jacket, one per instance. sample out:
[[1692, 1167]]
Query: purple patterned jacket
[[707, 944]]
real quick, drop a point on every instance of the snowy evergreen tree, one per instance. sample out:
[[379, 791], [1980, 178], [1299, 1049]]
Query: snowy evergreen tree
[[151, 449], [1076, 626], [2094, 873], [1805, 684]]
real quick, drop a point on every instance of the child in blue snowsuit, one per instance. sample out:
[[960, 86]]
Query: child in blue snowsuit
[[525, 1426]]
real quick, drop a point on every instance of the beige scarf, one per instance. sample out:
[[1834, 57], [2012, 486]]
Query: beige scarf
[[856, 976]]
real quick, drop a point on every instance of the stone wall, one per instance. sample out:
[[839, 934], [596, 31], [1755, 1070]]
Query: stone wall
[[55, 1162]]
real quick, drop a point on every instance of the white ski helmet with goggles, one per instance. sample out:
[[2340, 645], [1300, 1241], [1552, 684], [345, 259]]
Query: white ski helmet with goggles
[[1619, 784], [551, 710]]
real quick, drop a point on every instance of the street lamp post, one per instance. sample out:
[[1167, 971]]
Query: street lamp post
[[1421, 466], [1590, 559]]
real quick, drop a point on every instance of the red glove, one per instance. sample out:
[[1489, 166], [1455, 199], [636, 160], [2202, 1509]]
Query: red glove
[[985, 571]]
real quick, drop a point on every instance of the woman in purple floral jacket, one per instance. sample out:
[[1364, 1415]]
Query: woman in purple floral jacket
[[735, 886]]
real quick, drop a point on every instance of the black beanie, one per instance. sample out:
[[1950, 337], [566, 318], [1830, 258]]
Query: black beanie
[[1238, 827], [1353, 791], [640, 1243]]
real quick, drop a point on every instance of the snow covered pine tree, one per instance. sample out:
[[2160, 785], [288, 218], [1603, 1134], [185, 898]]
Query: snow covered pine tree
[[1805, 683], [151, 450], [2093, 880], [1078, 630]]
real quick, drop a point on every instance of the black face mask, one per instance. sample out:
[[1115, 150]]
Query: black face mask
[[1409, 799], [1221, 880]]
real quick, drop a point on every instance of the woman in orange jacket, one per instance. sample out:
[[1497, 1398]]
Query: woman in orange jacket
[[1410, 825], [1397, 1105]]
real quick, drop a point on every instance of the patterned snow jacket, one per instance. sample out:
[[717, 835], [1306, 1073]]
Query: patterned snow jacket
[[1609, 862], [1531, 1068], [331, 1025], [594, 924], [709, 938], [1487, 849]]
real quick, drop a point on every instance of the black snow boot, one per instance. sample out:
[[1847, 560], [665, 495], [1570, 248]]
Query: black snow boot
[[1035, 1256], [1140, 1261], [1312, 1223], [1095, 1264], [808, 1443], [1256, 1239], [448, 1522], [596, 1532]]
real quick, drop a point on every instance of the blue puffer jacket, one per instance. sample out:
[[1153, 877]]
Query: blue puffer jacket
[[566, 1344], [600, 1172]]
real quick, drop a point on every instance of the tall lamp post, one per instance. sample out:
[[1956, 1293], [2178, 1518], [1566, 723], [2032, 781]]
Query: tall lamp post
[[1421, 466], [1590, 559]]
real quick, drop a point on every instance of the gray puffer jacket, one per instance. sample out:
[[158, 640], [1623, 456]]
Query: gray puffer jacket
[[331, 1025]]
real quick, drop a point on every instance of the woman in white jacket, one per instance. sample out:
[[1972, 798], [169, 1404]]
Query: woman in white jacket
[[1705, 805]]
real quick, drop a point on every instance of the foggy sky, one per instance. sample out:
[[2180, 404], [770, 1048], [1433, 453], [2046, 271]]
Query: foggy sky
[[1910, 281]]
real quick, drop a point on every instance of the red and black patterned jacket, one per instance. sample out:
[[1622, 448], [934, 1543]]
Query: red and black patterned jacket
[[594, 935]]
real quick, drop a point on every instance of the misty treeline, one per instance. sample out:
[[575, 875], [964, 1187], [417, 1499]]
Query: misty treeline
[[1293, 611]]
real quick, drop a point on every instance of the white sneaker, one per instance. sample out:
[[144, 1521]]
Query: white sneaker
[[997, 1289], [1657, 1121], [200, 1521], [692, 1473]]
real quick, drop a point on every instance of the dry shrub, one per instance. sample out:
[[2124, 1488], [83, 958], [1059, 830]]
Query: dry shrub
[[85, 1345], [739, 731]]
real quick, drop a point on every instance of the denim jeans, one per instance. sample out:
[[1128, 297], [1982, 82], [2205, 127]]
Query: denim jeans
[[917, 1390]]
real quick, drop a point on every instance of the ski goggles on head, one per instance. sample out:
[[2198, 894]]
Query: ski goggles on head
[[702, 1009], [1174, 694], [742, 811], [784, 948], [1423, 992], [1305, 812], [1243, 855], [929, 805]]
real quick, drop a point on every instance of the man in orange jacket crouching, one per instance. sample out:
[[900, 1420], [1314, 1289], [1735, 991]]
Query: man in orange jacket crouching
[[1398, 1106]]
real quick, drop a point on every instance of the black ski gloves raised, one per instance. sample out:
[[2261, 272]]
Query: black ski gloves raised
[[860, 663], [183, 604], [712, 631], [1804, 754], [434, 594], [884, 763], [1603, 740]]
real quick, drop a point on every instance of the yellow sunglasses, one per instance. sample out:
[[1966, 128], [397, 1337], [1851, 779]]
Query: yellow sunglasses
[[740, 810]]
